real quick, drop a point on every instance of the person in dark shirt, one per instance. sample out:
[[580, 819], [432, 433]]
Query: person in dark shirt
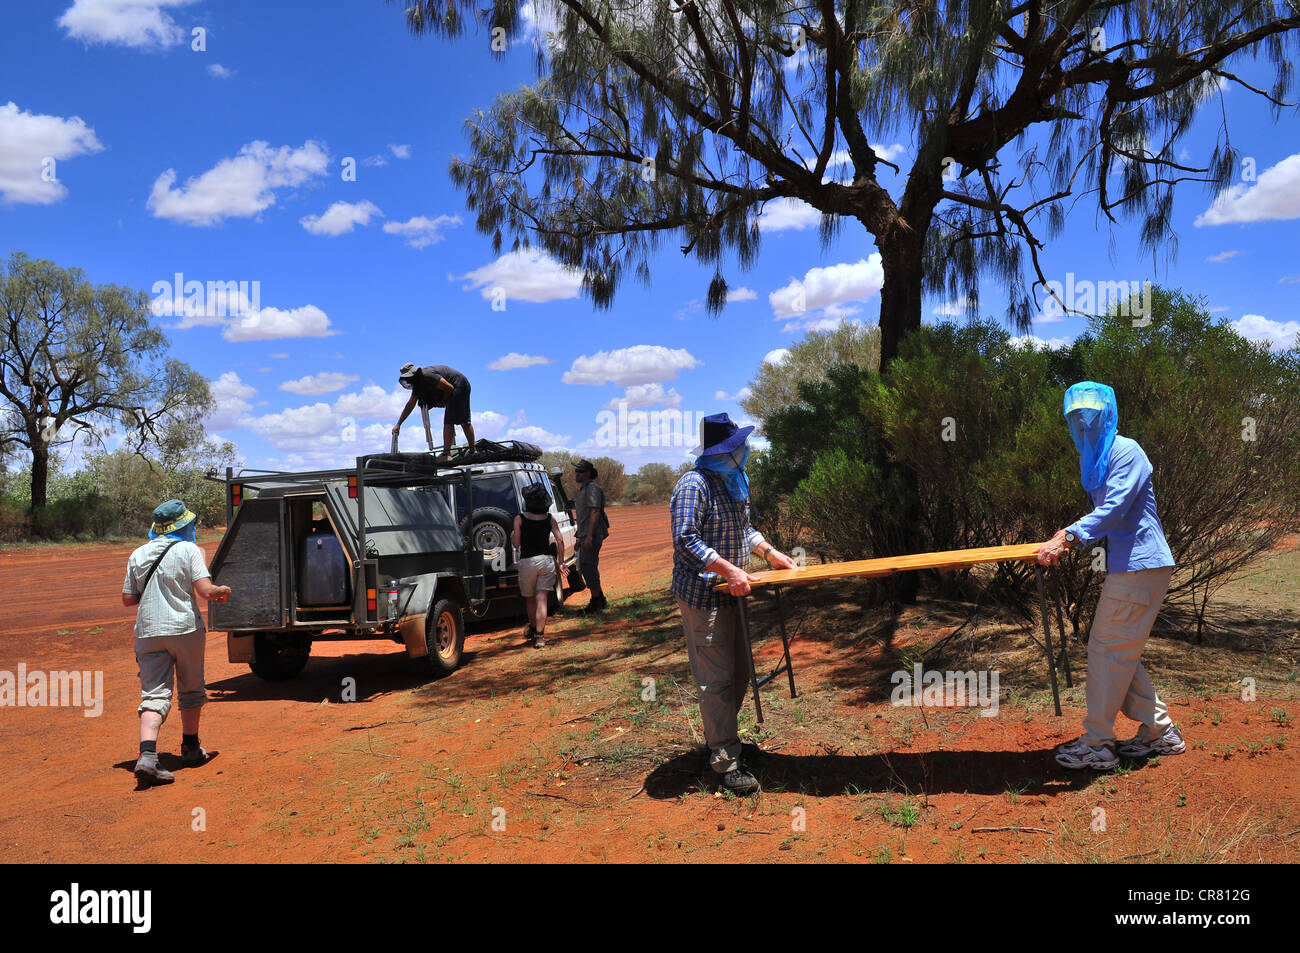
[[439, 386], [538, 570]]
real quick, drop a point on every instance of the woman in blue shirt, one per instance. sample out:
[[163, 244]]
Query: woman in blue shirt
[[1117, 475]]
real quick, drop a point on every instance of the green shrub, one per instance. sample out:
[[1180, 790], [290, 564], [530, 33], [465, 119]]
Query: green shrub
[[973, 421]]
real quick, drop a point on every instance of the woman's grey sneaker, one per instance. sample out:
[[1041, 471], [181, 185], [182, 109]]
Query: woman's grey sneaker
[[1077, 755], [740, 782], [147, 771], [1171, 742]]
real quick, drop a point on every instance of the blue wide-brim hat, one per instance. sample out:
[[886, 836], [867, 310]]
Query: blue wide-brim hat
[[170, 517], [720, 434]]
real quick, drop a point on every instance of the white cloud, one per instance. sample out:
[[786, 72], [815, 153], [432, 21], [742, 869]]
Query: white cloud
[[372, 401], [950, 308], [832, 285], [231, 395], [1223, 256], [308, 321], [341, 217], [742, 394], [375, 161], [736, 295], [525, 275], [400, 151], [31, 146], [646, 395], [543, 438], [1275, 196], [629, 366], [238, 187], [776, 357], [220, 72], [1032, 340], [1278, 335], [137, 23], [514, 361], [421, 230], [785, 214], [326, 382], [294, 424]]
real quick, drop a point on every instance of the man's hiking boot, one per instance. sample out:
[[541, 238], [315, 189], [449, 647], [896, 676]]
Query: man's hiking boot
[[148, 773], [539, 641], [1171, 742], [740, 782], [597, 605], [193, 757]]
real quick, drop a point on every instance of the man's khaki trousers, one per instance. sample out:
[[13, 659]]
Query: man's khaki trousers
[[715, 646], [1116, 680]]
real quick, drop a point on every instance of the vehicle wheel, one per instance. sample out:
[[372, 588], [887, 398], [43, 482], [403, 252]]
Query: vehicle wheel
[[444, 636], [278, 658], [489, 530]]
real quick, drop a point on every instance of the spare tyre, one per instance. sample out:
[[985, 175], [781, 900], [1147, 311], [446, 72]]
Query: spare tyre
[[489, 529]]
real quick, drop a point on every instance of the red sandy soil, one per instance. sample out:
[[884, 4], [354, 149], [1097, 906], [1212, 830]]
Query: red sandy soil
[[417, 770]]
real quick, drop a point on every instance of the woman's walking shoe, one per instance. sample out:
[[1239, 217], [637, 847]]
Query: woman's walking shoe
[[148, 773], [1077, 754], [1171, 742]]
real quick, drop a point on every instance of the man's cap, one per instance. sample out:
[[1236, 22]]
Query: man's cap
[[584, 466], [407, 375], [170, 517], [720, 434]]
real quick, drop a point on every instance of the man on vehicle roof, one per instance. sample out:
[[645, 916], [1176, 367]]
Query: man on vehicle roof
[[439, 386]]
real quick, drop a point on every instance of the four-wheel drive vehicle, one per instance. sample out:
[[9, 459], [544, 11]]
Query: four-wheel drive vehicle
[[486, 510], [354, 554]]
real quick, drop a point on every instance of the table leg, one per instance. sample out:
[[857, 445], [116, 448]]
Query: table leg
[[785, 639], [1047, 634], [742, 605], [1060, 628]]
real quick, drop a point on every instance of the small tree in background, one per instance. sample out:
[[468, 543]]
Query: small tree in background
[[776, 384], [80, 360]]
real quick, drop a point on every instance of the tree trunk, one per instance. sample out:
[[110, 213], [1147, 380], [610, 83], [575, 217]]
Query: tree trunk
[[40, 472], [901, 258]]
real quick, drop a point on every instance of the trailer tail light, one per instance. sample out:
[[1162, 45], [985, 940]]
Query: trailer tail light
[[372, 603], [352, 487], [236, 494]]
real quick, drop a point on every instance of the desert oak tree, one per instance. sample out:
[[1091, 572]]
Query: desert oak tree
[[663, 117]]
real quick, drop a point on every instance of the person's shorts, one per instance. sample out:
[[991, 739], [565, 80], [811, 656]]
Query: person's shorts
[[457, 412], [165, 657], [536, 572]]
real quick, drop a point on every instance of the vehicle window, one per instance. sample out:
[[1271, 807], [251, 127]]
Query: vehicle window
[[497, 490]]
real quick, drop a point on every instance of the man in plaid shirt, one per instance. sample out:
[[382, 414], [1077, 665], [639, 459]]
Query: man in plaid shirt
[[712, 541]]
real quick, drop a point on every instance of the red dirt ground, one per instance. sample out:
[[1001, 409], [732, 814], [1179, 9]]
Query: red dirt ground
[[415, 770]]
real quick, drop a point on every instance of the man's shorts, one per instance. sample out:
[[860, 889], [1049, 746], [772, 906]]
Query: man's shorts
[[535, 572], [457, 412], [161, 657]]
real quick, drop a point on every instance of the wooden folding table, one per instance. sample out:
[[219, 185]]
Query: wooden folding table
[[777, 579]]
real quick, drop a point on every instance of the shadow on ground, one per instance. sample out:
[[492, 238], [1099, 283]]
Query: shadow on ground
[[832, 775]]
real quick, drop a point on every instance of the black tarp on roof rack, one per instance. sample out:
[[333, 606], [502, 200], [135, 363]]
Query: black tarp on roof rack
[[485, 451]]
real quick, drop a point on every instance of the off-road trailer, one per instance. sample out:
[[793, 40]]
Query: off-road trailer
[[369, 552]]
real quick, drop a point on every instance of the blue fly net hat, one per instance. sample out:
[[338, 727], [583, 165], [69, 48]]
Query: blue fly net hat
[[1093, 416], [731, 467]]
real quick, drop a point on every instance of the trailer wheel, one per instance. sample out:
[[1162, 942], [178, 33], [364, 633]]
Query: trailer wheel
[[555, 598], [444, 636], [278, 658]]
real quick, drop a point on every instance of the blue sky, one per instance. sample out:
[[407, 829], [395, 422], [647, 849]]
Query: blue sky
[[229, 164]]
